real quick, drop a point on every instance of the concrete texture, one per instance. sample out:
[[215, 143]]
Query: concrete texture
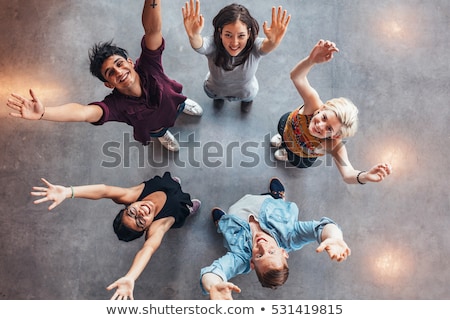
[[393, 63]]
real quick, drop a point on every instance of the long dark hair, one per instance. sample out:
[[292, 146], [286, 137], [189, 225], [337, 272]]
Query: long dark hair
[[227, 15]]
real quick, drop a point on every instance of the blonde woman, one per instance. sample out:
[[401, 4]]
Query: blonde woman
[[317, 128]]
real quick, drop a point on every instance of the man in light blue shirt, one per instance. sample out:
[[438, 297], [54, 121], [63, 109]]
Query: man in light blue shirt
[[259, 231]]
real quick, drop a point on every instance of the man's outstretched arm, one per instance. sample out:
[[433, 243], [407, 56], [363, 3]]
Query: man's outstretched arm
[[152, 23], [217, 288], [33, 109], [333, 243]]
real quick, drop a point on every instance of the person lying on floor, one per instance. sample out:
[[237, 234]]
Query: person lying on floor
[[151, 209], [259, 232]]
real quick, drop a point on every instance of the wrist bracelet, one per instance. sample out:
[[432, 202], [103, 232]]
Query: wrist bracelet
[[73, 194], [357, 177], [42, 115]]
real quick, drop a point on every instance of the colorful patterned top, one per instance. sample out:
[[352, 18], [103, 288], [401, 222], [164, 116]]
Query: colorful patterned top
[[297, 137]]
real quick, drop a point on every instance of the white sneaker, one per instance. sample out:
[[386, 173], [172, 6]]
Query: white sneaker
[[276, 140], [176, 179], [281, 155], [192, 108], [169, 142]]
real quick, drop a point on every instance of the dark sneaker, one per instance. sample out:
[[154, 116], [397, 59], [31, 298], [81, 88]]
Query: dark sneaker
[[218, 103], [246, 106], [216, 214], [276, 188]]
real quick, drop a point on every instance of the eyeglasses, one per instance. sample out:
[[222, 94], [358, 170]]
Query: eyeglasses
[[140, 220]]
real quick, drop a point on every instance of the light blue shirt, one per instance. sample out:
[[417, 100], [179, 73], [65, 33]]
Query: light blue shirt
[[277, 217]]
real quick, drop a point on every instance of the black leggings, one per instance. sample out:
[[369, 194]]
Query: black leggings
[[294, 159]]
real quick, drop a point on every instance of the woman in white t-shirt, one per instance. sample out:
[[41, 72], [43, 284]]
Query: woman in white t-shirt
[[234, 51]]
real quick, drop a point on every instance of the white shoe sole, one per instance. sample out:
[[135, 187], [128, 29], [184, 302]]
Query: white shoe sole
[[170, 144], [192, 108], [276, 140]]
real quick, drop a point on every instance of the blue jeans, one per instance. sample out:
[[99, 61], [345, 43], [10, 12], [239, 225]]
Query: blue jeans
[[163, 131]]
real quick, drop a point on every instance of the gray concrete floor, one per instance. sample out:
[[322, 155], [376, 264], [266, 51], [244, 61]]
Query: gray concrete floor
[[393, 63]]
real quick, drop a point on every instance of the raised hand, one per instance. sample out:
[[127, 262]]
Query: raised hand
[[378, 172], [336, 248], [31, 109], [54, 193], [278, 27], [323, 51], [223, 290], [124, 288], [193, 19]]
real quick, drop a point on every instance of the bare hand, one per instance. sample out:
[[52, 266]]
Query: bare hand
[[323, 51], [26, 108], [337, 249], [278, 27], [124, 288], [193, 19], [378, 172], [223, 290], [54, 193]]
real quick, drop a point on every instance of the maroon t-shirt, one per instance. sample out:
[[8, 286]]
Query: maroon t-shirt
[[158, 105]]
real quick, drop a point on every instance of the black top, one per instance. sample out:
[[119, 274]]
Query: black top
[[176, 201]]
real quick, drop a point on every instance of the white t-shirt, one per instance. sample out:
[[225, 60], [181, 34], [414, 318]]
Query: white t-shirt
[[237, 84]]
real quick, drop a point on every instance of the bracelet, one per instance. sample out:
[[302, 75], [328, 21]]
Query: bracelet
[[42, 115], [73, 194], [357, 177]]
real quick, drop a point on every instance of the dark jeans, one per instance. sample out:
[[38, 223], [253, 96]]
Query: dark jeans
[[294, 159]]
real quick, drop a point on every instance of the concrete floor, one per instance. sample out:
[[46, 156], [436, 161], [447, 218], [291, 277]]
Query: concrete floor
[[394, 64]]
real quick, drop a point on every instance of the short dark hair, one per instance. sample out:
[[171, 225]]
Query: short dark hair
[[122, 231], [273, 278], [227, 15], [99, 53]]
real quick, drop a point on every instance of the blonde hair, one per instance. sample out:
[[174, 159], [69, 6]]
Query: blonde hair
[[347, 113]]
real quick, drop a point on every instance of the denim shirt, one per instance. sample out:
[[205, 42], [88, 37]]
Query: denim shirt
[[276, 217]]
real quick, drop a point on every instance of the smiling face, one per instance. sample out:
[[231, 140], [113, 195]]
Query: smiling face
[[266, 253], [119, 73], [234, 37], [325, 124], [139, 215]]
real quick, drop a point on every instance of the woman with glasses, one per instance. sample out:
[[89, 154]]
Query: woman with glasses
[[151, 209]]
